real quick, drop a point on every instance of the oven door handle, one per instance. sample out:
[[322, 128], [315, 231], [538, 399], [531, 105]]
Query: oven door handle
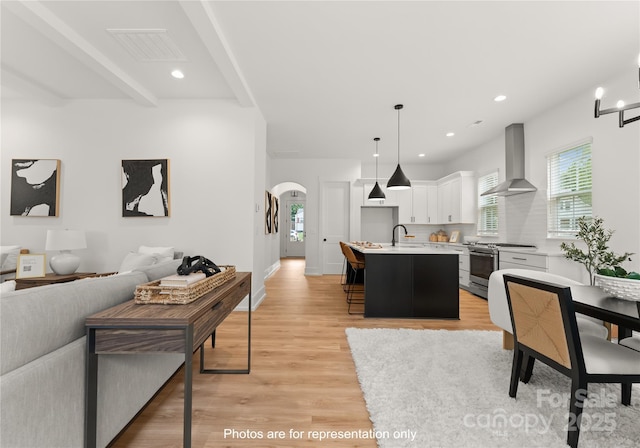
[[478, 254]]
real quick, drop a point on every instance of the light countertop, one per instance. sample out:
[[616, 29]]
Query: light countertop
[[402, 248]]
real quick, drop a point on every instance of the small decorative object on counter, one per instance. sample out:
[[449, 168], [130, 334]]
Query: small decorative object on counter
[[433, 237], [455, 235], [442, 236]]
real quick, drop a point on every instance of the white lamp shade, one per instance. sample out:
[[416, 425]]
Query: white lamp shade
[[65, 240]]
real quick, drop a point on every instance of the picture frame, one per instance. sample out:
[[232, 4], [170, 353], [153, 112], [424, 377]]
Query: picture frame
[[35, 187], [31, 265], [145, 188], [455, 235]]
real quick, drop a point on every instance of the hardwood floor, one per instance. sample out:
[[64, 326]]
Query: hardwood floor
[[302, 375]]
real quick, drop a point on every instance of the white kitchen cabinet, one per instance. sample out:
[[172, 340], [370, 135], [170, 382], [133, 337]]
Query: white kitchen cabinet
[[456, 198], [553, 264], [405, 212], [412, 205], [463, 265], [432, 204]]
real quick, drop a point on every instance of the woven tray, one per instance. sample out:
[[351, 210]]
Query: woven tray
[[153, 293]]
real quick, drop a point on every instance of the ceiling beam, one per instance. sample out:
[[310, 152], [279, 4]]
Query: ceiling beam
[[206, 25], [15, 80], [52, 27]]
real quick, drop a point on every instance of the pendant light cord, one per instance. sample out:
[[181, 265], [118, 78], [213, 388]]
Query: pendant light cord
[[377, 157], [398, 136], [398, 107]]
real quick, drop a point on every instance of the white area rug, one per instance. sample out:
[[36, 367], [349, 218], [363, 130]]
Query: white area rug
[[439, 388]]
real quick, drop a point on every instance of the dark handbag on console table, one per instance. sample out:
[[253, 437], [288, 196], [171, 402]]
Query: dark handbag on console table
[[198, 263]]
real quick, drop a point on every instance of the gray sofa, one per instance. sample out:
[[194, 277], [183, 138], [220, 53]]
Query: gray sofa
[[42, 363]]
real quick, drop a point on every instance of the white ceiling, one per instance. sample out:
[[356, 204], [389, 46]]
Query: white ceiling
[[326, 74]]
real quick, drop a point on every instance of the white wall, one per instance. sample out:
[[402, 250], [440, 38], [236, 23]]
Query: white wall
[[310, 173], [616, 167], [422, 171], [214, 148]]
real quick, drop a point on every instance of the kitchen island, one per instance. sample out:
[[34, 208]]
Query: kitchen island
[[410, 281]]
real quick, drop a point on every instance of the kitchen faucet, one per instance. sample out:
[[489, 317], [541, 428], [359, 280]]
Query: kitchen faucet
[[393, 233]]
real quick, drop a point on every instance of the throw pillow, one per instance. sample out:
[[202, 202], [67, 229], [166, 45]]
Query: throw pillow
[[9, 257], [161, 253], [135, 260], [8, 286]]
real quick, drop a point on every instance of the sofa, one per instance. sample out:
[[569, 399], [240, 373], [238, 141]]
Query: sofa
[[499, 307], [42, 367]]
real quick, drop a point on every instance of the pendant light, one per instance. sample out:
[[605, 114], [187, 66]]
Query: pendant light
[[376, 193], [398, 181]]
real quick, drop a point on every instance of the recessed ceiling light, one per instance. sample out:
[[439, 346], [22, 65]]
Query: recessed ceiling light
[[420, 155], [376, 155], [499, 98], [450, 134], [177, 74]]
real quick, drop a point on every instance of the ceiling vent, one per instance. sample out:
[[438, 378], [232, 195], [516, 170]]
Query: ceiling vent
[[153, 45]]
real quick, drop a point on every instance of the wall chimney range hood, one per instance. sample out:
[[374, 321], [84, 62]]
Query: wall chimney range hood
[[514, 173]]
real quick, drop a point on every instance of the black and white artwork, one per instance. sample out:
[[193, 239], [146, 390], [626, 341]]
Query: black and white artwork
[[145, 187], [275, 209], [35, 187], [268, 218]]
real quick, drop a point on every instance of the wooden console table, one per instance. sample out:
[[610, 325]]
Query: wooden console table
[[51, 279], [130, 328]]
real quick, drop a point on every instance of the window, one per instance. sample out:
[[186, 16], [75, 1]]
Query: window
[[296, 232], [568, 189], [487, 205]]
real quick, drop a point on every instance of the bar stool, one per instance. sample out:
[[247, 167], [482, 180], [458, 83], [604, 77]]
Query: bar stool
[[357, 265], [345, 266]]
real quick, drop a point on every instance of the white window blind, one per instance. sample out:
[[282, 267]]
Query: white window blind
[[487, 205], [568, 189]]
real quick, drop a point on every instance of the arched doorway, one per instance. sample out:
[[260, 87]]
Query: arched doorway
[[292, 210]]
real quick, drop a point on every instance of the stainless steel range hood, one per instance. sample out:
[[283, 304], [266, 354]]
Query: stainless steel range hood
[[514, 173]]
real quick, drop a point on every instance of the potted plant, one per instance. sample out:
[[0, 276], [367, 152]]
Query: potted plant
[[597, 259]]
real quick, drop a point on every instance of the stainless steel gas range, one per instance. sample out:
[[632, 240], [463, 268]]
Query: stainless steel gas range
[[484, 258]]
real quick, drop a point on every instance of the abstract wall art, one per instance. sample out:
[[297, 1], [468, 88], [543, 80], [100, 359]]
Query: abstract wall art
[[145, 187], [275, 208], [35, 187], [268, 218]]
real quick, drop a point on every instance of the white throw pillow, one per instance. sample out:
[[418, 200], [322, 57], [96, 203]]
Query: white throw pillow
[[161, 253], [8, 286], [135, 260], [9, 257]]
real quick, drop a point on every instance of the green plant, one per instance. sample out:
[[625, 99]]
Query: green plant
[[598, 256]]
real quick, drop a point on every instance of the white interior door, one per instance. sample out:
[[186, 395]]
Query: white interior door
[[335, 224], [294, 225]]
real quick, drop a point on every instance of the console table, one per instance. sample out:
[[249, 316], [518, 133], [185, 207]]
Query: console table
[[130, 328], [51, 279]]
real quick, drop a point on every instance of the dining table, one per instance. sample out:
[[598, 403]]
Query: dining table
[[593, 301]]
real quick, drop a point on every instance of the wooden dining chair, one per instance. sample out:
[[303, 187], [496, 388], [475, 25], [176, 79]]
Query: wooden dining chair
[[545, 329]]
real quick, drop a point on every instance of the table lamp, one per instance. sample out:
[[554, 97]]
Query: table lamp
[[65, 241]]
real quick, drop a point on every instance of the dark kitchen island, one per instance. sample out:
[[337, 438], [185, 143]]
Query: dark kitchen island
[[410, 282]]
